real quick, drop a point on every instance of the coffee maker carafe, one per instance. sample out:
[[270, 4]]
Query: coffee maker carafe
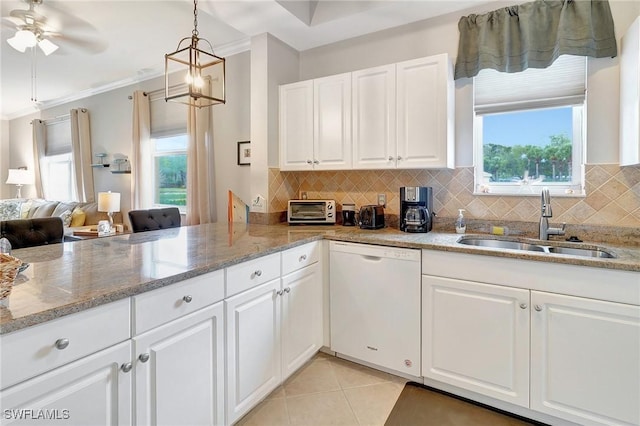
[[416, 208]]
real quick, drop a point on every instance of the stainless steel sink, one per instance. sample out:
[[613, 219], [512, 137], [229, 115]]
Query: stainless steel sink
[[501, 244], [574, 251], [524, 246]]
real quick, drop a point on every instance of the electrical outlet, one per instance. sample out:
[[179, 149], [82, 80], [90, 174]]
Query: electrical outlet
[[382, 200]]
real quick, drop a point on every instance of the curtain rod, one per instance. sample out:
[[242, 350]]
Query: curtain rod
[[157, 91]]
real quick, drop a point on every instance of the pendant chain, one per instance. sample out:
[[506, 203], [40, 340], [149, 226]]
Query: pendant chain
[[195, 18]]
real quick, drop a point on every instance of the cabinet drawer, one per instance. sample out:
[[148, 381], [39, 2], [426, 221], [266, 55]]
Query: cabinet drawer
[[168, 303], [299, 257], [35, 350], [252, 273]]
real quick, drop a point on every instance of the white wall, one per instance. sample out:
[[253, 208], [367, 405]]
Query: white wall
[[5, 190], [111, 129], [440, 35]]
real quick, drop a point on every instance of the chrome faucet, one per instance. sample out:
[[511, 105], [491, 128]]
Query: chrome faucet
[[545, 230]]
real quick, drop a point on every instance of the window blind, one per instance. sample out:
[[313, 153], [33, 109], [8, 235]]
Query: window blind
[[58, 139], [562, 83], [167, 118]]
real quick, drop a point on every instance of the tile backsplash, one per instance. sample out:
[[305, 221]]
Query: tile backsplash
[[613, 194]]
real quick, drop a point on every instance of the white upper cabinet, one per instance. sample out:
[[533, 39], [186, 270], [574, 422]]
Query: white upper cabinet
[[296, 126], [332, 122], [393, 116], [425, 111], [374, 118], [630, 96]]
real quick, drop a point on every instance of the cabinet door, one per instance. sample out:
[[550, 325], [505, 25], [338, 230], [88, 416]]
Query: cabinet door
[[374, 118], [301, 317], [253, 347], [425, 103], [180, 371], [476, 337], [630, 96], [585, 359], [332, 122], [91, 391], [296, 126]]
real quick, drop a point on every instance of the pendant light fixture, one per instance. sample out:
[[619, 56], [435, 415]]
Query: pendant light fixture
[[194, 76]]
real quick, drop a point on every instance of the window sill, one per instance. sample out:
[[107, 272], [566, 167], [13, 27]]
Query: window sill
[[555, 194]]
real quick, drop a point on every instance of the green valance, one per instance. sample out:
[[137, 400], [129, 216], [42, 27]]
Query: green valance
[[533, 35]]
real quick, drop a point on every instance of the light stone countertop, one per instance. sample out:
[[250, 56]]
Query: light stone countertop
[[74, 276]]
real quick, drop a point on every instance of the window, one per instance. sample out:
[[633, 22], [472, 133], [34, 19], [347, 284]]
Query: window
[[170, 171], [169, 153], [57, 166], [529, 129]]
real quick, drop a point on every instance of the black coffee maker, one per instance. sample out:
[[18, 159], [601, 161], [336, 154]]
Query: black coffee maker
[[416, 208]]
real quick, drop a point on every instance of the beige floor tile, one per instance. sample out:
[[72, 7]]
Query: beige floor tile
[[372, 404], [271, 412], [351, 375], [277, 393], [316, 376], [320, 409]]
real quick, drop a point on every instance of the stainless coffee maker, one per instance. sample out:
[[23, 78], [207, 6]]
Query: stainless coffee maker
[[416, 208]]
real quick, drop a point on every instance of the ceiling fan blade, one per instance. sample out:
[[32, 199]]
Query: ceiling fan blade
[[29, 17], [67, 43]]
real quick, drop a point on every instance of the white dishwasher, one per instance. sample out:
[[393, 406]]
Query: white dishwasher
[[375, 304]]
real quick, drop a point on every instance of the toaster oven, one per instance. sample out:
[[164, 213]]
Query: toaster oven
[[311, 212]]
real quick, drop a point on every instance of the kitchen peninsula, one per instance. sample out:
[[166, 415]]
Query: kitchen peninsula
[[214, 288]]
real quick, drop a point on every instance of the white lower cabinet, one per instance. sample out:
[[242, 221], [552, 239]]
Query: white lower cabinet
[[273, 329], [179, 371], [585, 359], [94, 390], [476, 336]]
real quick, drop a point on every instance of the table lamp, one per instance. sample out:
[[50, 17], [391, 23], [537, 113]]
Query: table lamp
[[19, 177], [109, 202]]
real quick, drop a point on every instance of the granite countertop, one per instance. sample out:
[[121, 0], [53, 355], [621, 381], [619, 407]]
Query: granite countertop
[[70, 277]]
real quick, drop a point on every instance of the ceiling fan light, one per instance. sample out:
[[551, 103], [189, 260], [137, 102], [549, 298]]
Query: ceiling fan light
[[47, 47], [22, 40]]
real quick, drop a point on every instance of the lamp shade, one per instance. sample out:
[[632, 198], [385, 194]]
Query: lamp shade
[[109, 201], [19, 177]]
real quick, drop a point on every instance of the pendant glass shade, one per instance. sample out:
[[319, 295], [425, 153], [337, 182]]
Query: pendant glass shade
[[194, 77], [22, 39]]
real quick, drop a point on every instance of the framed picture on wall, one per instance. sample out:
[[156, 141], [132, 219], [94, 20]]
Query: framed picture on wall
[[244, 153]]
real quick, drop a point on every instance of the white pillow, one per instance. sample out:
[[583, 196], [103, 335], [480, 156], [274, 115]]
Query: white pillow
[[66, 218]]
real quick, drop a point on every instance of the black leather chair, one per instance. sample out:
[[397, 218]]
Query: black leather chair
[[153, 219], [23, 233]]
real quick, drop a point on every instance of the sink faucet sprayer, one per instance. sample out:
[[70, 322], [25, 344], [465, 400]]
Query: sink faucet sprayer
[[545, 213]]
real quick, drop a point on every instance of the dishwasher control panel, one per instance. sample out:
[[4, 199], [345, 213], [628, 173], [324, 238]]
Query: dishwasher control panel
[[386, 252]]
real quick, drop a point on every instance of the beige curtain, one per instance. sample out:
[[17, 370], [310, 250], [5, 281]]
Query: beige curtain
[[39, 131], [141, 153], [81, 148], [200, 169]]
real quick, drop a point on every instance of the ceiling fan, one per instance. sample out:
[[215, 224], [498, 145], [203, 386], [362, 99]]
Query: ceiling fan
[[31, 30]]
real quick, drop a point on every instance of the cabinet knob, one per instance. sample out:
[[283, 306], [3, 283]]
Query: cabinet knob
[[143, 357], [126, 367], [257, 273], [390, 158], [187, 298], [279, 292], [399, 158], [302, 258], [538, 308], [316, 162], [62, 343], [523, 306], [309, 162], [287, 290]]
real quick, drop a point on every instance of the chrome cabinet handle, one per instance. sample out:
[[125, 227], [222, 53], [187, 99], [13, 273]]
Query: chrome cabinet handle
[[126, 367], [62, 343], [257, 273], [187, 298], [538, 308], [287, 290], [303, 257], [523, 306], [143, 357]]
